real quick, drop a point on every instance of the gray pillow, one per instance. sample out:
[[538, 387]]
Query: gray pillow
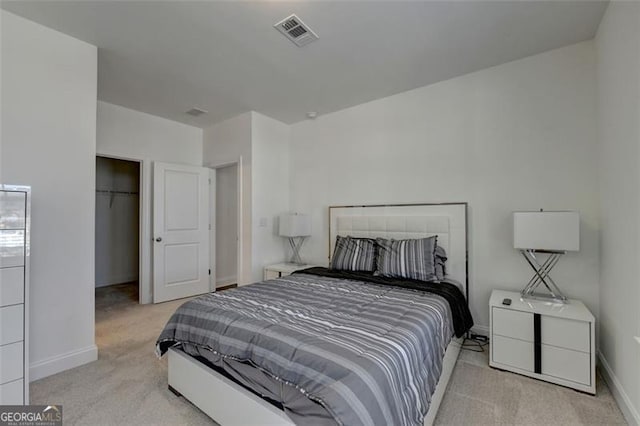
[[354, 254], [413, 259]]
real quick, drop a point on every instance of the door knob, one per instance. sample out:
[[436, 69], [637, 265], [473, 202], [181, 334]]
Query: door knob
[[159, 239]]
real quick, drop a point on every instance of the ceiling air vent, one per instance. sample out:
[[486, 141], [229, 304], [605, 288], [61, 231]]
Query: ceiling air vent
[[295, 30], [196, 112]]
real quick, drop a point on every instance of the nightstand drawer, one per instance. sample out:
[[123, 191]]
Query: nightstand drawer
[[11, 359], [515, 324], [565, 333], [271, 275], [566, 364], [279, 270], [512, 352], [11, 324], [548, 341]]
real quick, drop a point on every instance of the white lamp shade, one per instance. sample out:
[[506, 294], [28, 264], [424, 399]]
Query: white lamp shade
[[553, 231], [295, 225]]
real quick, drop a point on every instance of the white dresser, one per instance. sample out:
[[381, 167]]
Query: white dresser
[[14, 289], [548, 341]]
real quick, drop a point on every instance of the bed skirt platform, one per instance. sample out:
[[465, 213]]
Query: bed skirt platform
[[221, 399], [228, 403], [448, 364]]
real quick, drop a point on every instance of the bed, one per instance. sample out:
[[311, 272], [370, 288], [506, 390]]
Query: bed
[[329, 347]]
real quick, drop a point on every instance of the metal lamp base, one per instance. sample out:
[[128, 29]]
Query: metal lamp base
[[296, 245], [542, 276]]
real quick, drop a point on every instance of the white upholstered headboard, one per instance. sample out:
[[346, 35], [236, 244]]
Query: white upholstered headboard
[[448, 221]]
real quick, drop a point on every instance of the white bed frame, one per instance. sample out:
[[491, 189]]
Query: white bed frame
[[230, 404]]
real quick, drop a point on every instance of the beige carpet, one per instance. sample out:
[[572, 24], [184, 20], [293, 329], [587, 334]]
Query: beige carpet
[[128, 384], [481, 395]]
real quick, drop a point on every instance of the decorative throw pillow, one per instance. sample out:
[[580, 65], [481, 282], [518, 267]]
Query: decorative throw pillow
[[440, 259], [413, 259], [354, 254]]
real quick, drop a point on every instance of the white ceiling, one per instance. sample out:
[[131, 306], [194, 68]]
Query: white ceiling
[[225, 57]]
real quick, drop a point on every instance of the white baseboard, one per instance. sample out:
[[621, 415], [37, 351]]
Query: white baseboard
[[630, 413], [56, 364]]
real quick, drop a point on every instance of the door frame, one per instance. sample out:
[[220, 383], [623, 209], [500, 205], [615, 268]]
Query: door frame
[[141, 219], [239, 212], [213, 231]]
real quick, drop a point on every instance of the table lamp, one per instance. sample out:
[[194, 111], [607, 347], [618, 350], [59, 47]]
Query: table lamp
[[296, 227], [551, 233]]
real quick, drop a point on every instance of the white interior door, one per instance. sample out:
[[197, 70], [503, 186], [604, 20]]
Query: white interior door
[[180, 231], [638, 363]]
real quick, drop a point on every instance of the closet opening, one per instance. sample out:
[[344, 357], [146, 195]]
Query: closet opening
[[226, 236], [117, 234]]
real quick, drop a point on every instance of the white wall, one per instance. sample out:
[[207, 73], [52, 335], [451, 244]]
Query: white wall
[[225, 143], [263, 145], [226, 225], [517, 136], [128, 134], [49, 89], [117, 221], [270, 176], [618, 75]]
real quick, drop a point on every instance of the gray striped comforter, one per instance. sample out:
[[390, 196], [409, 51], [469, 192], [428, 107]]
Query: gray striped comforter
[[370, 354]]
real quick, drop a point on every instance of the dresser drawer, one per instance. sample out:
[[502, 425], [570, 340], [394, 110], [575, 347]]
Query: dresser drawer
[[11, 362], [566, 364], [11, 248], [12, 210], [565, 333], [11, 324], [512, 352], [11, 286], [515, 324], [12, 393]]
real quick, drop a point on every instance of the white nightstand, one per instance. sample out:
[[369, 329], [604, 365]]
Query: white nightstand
[[548, 341], [282, 270]]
